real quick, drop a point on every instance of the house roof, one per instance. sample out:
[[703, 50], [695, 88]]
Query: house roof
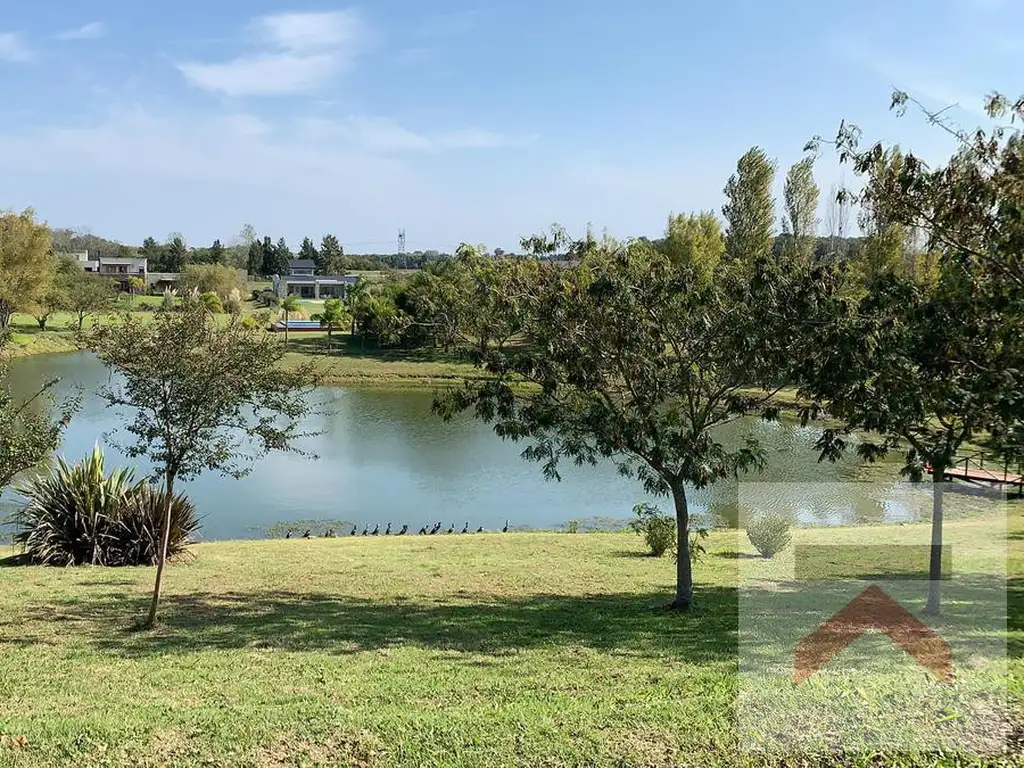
[[302, 263], [310, 279]]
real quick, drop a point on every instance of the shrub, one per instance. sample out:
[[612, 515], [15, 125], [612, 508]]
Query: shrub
[[80, 515], [657, 528], [212, 302], [268, 299], [167, 303], [233, 304], [573, 526], [769, 534]]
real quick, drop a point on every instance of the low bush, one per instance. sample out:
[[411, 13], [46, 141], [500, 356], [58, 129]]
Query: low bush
[[233, 303], [212, 302], [769, 533], [80, 515], [657, 528]]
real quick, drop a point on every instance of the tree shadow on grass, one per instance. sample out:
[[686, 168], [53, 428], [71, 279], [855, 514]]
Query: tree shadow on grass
[[623, 624], [343, 344]]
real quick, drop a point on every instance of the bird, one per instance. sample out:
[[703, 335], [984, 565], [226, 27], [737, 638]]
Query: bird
[[505, 529], [366, 530], [436, 528], [404, 529], [306, 534], [465, 528], [452, 528], [354, 526], [330, 533], [423, 530], [376, 530], [480, 529], [387, 531], [288, 535]]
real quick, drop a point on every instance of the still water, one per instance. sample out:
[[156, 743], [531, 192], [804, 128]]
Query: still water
[[384, 457]]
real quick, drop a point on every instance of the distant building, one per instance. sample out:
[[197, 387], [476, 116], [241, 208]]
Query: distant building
[[302, 281], [117, 269]]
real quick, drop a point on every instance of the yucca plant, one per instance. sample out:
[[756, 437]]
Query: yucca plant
[[136, 536], [67, 518], [78, 514]]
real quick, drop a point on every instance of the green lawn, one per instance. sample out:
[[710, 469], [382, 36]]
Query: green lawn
[[524, 649]]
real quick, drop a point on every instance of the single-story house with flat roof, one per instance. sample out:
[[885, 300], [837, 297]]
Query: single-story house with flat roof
[[313, 286]]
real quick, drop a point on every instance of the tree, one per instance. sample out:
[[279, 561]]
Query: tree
[[308, 251], [695, 240], [217, 254], [247, 236], [198, 396], [136, 285], [209, 278], [276, 258], [930, 366], [332, 316], [154, 253], [255, 258], [87, 294], [750, 208], [26, 266], [329, 257], [800, 199], [357, 297], [56, 296], [289, 305], [28, 433], [632, 358], [175, 255]]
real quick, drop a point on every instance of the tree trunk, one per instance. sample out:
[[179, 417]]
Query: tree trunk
[[81, 320], [5, 314], [684, 573], [935, 560], [162, 559], [42, 322]]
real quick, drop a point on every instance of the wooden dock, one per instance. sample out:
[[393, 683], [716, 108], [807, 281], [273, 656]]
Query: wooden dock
[[972, 469]]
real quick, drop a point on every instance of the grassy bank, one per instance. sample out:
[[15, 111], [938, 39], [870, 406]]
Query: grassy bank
[[498, 650]]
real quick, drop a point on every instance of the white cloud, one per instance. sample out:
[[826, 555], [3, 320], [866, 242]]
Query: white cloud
[[14, 48], [309, 31], [309, 51], [94, 30], [384, 135], [265, 75]]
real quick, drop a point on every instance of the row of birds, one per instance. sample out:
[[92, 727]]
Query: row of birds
[[424, 531]]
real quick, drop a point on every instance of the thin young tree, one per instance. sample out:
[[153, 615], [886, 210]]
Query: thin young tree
[[289, 305], [632, 358], [332, 316], [196, 396], [749, 209], [800, 200]]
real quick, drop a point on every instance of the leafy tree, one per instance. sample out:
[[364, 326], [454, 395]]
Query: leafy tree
[[332, 316], [329, 257], [800, 199], [289, 305], [196, 395], [154, 253], [87, 294], [26, 266], [928, 367], [247, 236], [635, 359], [694, 240], [750, 208], [308, 251], [357, 298], [175, 255], [217, 254], [255, 258], [56, 296], [136, 285], [28, 432], [207, 278]]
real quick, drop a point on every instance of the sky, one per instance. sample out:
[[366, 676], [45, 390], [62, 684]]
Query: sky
[[480, 121]]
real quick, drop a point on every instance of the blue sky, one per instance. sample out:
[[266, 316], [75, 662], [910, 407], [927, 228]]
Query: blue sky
[[476, 121]]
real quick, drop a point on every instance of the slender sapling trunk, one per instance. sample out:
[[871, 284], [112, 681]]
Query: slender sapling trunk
[[684, 572], [164, 546], [935, 560]]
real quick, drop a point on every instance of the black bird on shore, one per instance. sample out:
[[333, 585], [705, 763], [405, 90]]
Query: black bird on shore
[[306, 534], [354, 527], [387, 531], [451, 529], [505, 529], [465, 528], [329, 534], [404, 529], [288, 535], [436, 528], [480, 529], [423, 531], [376, 530], [366, 530]]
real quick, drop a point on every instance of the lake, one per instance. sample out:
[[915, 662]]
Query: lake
[[384, 457]]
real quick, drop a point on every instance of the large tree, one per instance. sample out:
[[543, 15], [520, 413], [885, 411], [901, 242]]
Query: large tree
[[930, 364], [175, 254], [695, 240], [800, 223], [308, 251], [196, 396], [86, 294], [26, 265], [329, 257], [632, 358], [749, 209], [276, 258]]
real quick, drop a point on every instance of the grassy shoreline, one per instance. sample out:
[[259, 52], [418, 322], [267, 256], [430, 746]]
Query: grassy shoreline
[[505, 650]]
